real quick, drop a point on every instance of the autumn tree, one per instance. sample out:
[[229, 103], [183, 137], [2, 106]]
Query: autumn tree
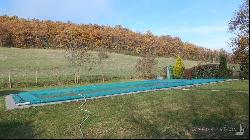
[[34, 33], [239, 25], [5, 35]]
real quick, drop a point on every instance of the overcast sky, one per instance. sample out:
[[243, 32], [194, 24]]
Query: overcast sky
[[202, 22]]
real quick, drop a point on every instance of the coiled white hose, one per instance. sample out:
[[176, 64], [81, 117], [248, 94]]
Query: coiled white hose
[[84, 111]]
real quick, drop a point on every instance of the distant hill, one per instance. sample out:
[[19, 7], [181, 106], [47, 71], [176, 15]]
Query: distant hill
[[34, 33]]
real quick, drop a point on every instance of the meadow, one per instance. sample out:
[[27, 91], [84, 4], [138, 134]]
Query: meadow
[[54, 69]]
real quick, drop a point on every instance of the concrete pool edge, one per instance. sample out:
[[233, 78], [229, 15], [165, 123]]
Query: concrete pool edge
[[10, 103], [63, 94]]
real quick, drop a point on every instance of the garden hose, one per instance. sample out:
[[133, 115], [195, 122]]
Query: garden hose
[[84, 111]]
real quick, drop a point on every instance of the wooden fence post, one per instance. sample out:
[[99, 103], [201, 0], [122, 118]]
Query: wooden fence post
[[79, 77], [102, 78], [9, 81], [36, 77], [75, 77]]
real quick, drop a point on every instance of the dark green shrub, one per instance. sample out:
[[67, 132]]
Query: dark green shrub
[[244, 70], [206, 71], [223, 71]]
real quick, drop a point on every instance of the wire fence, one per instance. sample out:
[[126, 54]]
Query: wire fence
[[59, 76]]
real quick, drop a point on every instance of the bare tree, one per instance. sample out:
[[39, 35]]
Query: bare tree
[[146, 65], [102, 55], [79, 57]]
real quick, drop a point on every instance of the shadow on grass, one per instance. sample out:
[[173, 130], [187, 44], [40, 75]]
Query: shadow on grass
[[223, 125], [217, 127], [7, 92], [146, 126], [14, 129], [151, 130], [197, 121]]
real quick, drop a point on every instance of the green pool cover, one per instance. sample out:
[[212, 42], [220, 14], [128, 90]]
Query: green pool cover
[[99, 90]]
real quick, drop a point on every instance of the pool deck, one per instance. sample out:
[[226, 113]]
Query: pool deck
[[10, 103]]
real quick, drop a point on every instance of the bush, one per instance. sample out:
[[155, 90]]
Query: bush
[[244, 70], [188, 73], [179, 68], [102, 54], [207, 71], [236, 75], [224, 72]]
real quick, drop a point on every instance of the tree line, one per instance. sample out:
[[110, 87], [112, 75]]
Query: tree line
[[34, 33]]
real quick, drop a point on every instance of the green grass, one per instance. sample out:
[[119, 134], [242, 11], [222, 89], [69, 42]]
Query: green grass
[[161, 114], [238, 85], [53, 68]]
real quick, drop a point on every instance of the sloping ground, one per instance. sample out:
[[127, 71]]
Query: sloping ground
[[53, 67], [161, 114]]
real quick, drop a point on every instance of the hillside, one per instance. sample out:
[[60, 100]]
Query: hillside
[[52, 66], [24, 33]]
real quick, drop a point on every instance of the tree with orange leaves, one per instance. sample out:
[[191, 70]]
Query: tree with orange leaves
[[239, 25]]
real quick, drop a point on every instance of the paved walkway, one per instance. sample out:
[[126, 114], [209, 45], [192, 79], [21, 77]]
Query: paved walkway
[[10, 103]]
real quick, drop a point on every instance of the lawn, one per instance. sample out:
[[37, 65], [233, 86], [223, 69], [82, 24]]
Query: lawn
[[196, 113]]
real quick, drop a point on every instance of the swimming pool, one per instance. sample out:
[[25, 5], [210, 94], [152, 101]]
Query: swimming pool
[[100, 90]]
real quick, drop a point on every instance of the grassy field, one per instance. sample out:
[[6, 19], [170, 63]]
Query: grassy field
[[212, 111], [196, 113], [53, 68]]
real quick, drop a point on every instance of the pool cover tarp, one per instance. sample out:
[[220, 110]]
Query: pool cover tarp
[[64, 94]]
